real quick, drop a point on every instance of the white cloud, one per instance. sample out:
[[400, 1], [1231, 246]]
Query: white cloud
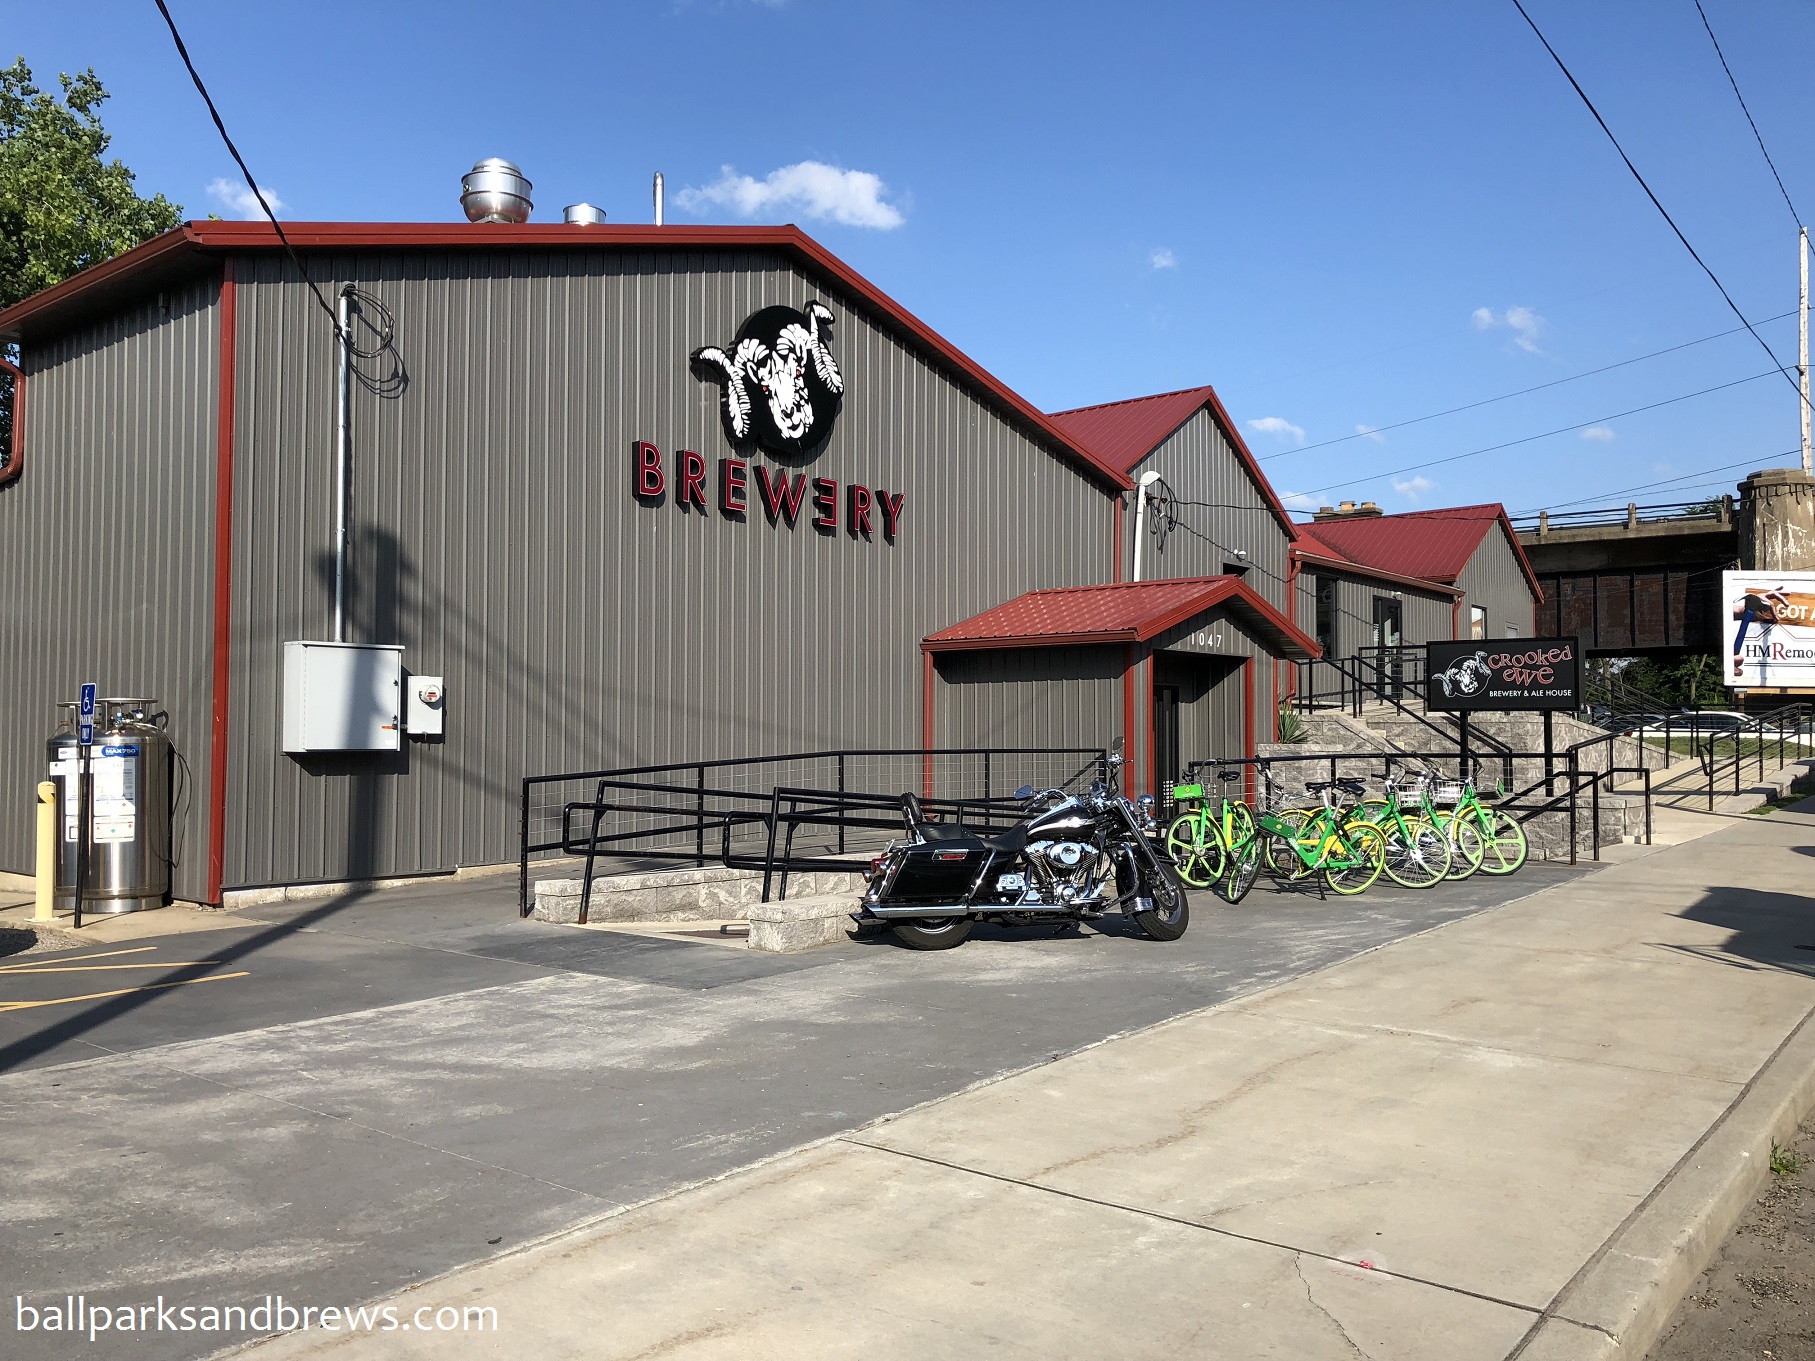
[[1369, 432], [1525, 324], [854, 198], [1297, 500], [1278, 425], [1163, 259], [1598, 433], [239, 201], [1411, 488]]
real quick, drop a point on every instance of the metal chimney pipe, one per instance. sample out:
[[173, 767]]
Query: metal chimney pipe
[[658, 198]]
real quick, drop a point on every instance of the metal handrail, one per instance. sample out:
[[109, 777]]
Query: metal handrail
[[700, 810]]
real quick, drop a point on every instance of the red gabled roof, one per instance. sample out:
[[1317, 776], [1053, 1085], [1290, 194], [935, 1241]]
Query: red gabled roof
[[189, 247], [1123, 433], [1434, 545], [1126, 612], [1309, 548]]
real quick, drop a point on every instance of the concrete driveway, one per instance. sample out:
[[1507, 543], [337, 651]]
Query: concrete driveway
[[346, 1097]]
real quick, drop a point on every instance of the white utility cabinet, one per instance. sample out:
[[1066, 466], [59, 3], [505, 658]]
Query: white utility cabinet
[[342, 697]]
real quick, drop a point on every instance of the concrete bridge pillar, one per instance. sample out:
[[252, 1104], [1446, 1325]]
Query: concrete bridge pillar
[[1777, 521]]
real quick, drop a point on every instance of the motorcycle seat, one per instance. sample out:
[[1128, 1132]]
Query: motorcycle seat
[[924, 827], [1011, 842]]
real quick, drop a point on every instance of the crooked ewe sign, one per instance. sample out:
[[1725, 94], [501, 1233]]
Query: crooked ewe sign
[[1520, 673]]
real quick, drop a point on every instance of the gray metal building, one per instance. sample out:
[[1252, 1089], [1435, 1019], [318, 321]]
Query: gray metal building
[[552, 511]]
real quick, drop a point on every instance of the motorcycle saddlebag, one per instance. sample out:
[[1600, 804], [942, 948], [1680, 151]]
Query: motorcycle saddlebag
[[938, 871]]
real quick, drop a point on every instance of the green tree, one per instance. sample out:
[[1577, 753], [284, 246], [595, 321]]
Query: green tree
[[63, 206]]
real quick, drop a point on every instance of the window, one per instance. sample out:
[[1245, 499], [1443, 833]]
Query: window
[[1326, 613], [1512, 630], [1477, 622]]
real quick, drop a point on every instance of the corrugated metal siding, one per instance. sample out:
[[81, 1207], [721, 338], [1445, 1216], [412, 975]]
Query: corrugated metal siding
[[498, 541], [1422, 617], [1028, 697], [1199, 465], [1493, 580], [106, 546]]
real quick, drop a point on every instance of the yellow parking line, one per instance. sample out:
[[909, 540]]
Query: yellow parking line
[[99, 968], [117, 992], [65, 959]]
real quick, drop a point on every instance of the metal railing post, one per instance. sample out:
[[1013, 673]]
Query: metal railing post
[[1575, 785], [699, 827], [1595, 800], [841, 807], [523, 854]]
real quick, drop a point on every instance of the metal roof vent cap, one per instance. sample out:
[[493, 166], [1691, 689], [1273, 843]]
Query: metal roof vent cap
[[496, 191], [583, 215]]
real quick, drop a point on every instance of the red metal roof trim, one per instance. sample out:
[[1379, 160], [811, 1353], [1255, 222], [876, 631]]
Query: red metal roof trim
[[1127, 612], [206, 238], [1125, 432], [1433, 545], [1314, 558]]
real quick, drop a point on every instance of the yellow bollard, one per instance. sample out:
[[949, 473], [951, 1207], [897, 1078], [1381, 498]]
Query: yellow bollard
[[47, 852]]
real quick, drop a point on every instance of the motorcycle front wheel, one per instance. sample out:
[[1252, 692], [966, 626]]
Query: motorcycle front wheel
[[1170, 912], [933, 933]]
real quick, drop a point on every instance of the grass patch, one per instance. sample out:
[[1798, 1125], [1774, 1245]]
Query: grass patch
[[1777, 804], [1785, 1162]]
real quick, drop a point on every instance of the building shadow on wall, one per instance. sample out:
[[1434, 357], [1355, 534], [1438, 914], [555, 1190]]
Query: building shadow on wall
[[381, 590]]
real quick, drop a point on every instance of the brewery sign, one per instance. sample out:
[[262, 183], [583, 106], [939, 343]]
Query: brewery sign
[[1516, 673]]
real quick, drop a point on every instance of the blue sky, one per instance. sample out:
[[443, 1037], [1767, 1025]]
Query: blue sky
[[1342, 215]]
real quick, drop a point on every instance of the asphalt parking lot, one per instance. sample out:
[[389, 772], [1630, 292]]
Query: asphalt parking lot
[[351, 1095]]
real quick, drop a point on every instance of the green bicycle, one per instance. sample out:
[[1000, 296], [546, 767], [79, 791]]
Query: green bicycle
[[1482, 838], [1299, 843], [1198, 840]]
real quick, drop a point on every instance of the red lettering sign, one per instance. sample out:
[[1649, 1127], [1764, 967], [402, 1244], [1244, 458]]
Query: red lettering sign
[[647, 479], [857, 517], [891, 511], [825, 501], [733, 486], [692, 487], [781, 499]]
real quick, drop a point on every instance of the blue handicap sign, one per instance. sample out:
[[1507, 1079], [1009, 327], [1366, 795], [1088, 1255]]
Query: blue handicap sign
[[85, 716]]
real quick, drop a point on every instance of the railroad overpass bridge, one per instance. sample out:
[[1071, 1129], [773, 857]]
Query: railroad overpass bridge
[[1638, 580], [1633, 580]]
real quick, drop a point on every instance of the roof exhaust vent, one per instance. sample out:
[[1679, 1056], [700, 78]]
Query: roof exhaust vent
[[496, 191], [583, 215], [1349, 510]]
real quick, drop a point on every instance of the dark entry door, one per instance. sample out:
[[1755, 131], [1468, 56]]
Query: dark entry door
[[1165, 734], [1388, 636]]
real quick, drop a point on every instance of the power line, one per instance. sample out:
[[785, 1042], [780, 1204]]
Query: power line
[[1655, 201], [239, 160], [1647, 486], [1522, 392], [1756, 134], [1527, 439]]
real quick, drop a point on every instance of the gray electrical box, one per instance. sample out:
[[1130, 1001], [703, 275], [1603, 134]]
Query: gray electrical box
[[342, 697]]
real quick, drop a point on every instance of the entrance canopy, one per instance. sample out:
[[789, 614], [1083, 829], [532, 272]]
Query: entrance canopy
[[1127, 612]]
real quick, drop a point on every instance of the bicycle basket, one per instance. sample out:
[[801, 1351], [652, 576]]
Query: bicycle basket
[[1411, 798], [1448, 791], [1183, 792]]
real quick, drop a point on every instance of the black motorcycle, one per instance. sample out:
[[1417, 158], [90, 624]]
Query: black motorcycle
[[1071, 858]]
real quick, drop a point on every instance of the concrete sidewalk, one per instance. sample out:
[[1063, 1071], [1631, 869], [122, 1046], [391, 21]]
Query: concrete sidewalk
[[1515, 1135]]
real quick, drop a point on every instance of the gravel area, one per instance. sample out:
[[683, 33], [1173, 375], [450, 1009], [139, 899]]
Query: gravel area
[[1757, 1300]]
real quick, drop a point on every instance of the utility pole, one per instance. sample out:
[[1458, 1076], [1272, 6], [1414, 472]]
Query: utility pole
[[1802, 366]]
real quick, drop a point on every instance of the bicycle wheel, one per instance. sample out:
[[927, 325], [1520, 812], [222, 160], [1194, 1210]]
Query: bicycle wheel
[[1244, 869], [1282, 855], [1465, 844], [1196, 848], [1362, 857], [1503, 847], [1417, 853]]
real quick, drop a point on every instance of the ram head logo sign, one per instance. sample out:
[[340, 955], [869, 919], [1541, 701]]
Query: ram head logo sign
[[782, 388]]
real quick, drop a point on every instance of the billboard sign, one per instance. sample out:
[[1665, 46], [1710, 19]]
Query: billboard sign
[[1768, 629], [1519, 673]]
